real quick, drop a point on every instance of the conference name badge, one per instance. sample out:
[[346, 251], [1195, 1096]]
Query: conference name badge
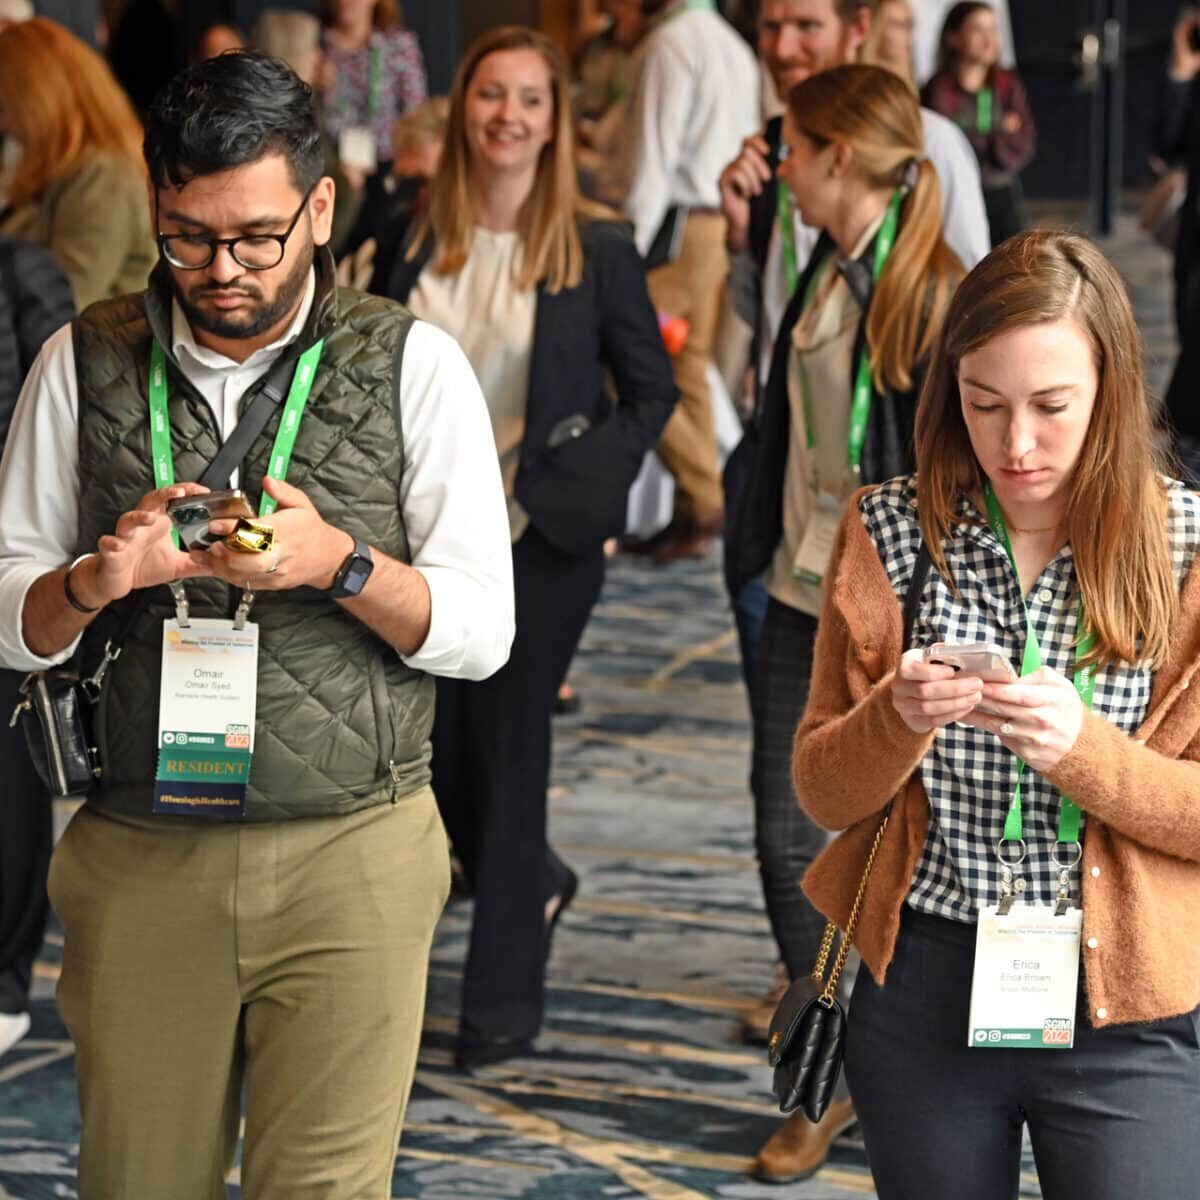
[[820, 533], [1026, 979], [207, 696]]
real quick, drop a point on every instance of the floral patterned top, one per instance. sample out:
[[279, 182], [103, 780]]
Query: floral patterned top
[[373, 86]]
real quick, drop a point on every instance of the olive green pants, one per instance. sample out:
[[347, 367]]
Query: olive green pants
[[286, 959]]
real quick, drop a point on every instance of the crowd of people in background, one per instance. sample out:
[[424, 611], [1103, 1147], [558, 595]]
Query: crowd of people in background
[[756, 220]]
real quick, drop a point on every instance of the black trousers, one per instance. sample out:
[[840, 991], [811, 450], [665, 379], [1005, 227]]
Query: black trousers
[[785, 839], [491, 771], [26, 835], [1113, 1118]]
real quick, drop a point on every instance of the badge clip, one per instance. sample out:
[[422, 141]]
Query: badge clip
[[243, 609], [182, 609]]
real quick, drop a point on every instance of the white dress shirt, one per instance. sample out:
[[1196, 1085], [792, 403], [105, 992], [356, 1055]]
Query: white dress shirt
[[492, 319], [695, 98], [964, 224], [450, 498]]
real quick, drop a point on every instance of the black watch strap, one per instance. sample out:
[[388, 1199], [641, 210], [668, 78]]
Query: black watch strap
[[354, 572]]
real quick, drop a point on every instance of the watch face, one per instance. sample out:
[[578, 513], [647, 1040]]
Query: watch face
[[358, 571]]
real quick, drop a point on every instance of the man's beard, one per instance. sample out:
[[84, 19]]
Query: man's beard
[[264, 315]]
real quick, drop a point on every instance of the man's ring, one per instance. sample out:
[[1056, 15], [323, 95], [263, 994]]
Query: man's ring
[[1006, 729], [275, 565]]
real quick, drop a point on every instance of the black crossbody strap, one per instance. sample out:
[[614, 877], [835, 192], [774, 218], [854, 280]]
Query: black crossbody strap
[[216, 475], [916, 587]]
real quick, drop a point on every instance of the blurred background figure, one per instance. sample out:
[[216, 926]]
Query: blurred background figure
[[374, 74], [396, 194], [988, 102], [215, 38], [604, 70], [695, 97], [79, 188], [547, 296], [1177, 143], [35, 300], [928, 18], [890, 41], [295, 37]]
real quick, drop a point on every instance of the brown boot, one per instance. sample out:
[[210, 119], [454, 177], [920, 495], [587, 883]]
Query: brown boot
[[798, 1148], [756, 1024]]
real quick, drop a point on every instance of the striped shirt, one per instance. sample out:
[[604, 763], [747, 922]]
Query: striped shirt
[[968, 775]]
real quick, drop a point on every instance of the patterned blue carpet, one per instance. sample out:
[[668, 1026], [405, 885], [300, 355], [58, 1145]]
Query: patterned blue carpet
[[640, 1087]]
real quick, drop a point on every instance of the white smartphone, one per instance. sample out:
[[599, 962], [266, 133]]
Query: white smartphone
[[983, 660]]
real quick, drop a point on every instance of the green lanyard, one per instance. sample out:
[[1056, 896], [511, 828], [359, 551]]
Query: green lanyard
[[787, 238], [983, 110], [1084, 680], [285, 437], [374, 81], [864, 390]]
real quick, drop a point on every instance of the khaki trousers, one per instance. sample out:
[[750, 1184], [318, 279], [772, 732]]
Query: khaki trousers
[[288, 959], [691, 287]]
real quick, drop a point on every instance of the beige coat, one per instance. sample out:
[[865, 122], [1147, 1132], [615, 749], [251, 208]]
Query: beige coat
[[1141, 856], [96, 223]]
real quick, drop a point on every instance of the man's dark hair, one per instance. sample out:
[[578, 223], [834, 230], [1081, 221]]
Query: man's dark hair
[[227, 112]]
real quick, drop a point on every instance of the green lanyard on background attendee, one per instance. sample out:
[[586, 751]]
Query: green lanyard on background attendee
[[787, 237], [864, 390], [984, 103], [1084, 679]]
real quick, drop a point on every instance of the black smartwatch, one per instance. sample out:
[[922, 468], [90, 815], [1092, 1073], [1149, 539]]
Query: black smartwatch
[[353, 574]]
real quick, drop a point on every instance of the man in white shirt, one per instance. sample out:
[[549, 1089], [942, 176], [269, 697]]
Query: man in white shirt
[[799, 38], [250, 890], [695, 97]]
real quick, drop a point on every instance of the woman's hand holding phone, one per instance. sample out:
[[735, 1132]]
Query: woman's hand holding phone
[[930, 695], [1038, 718]]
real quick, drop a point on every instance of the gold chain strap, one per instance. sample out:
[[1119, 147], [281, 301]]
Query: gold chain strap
[[831, 929]]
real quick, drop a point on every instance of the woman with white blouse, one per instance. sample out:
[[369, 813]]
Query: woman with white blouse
[[548, 298]]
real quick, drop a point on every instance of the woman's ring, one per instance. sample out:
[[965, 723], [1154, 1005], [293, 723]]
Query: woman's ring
[[1006, 729]]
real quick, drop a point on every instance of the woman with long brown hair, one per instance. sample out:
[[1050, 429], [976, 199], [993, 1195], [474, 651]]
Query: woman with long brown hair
[[548, 300], [838, 409], [80, 186], [988, 102], [1029, 769]]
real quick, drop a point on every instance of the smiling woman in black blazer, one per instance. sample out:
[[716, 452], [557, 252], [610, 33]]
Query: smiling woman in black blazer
[[548, 298]]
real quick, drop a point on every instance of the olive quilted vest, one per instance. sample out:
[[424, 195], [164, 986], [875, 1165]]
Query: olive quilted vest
[[341, 723]]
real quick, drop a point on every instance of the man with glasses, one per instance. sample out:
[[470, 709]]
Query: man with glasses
[[250, 910]]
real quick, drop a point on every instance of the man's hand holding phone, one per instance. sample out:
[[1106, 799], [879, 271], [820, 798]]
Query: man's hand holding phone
[[139, 553]]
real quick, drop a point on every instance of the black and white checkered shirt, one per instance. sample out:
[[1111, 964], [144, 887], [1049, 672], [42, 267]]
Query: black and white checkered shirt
[[968, 776]]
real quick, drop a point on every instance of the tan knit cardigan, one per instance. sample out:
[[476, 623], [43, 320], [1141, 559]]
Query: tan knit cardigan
[[1141, 854]]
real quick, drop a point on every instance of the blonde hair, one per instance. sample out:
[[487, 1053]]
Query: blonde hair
[[65, 103], [287, 34], [549, 221], [869, 110], [422, 124], [870, 49], [1116, 515]]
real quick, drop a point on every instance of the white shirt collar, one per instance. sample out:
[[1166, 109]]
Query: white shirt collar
[[184, 341]]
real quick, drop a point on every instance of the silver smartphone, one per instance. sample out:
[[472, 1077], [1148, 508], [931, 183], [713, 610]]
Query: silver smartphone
[[983, 660]]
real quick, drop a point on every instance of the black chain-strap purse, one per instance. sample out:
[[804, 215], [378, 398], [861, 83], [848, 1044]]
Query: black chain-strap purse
[[808, 1031]]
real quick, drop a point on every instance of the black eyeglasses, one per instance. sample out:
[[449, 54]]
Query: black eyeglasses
[[254, 251]]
